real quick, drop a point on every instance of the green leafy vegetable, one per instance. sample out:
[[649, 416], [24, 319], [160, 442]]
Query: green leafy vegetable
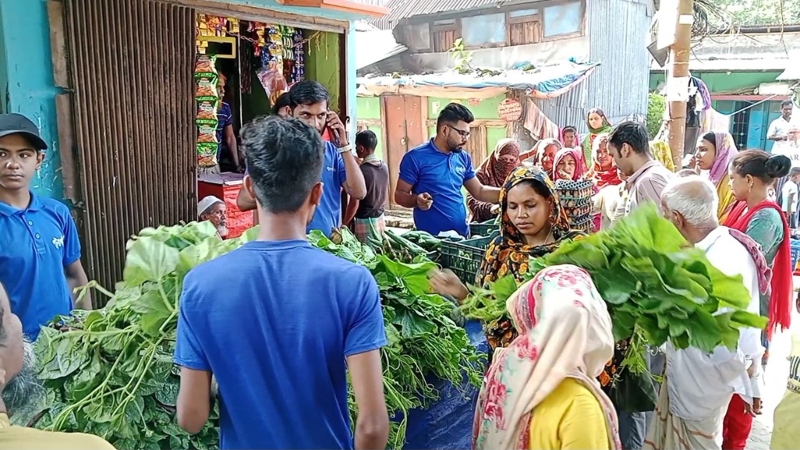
[[657, 288], [110, 372]]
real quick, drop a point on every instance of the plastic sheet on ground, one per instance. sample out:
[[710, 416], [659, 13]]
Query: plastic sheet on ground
[[447, 423]]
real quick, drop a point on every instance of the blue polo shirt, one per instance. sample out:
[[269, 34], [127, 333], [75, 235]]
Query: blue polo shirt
[[277, 341], [441, 175], [328, 214], [36, 244]]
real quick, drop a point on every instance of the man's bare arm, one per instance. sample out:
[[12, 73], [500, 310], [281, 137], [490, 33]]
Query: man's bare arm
[[482, 193], [403, 195], [372, 425], [76, 278], [194, 399]]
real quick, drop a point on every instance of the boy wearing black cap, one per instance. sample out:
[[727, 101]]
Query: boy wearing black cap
[[40, 249]]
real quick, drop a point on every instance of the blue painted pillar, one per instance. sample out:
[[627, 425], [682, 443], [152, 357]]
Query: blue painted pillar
[[26, 80]]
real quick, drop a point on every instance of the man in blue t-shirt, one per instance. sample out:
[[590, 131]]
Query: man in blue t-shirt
[[279, 323], [40, 251], [309, 103], [431, 176]]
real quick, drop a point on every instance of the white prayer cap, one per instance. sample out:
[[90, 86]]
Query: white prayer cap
[[207, 202]]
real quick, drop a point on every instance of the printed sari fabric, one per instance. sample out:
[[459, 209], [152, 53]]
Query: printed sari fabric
[[565, 333], [663, 154], [508, 254]]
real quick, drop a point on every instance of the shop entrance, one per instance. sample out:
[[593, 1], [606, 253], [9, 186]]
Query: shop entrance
[[255, 62], [127, 108]]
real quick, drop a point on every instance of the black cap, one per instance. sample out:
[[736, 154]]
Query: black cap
[[19, 124]]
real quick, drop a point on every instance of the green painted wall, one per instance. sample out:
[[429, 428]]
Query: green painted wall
[[725, 81], [370, 108], [481, 109], [322, 63]]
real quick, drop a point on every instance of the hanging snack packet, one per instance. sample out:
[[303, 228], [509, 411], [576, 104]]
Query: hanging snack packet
[[205, 64]]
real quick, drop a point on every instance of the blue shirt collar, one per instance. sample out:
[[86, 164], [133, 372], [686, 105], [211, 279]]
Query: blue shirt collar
[[35, 205]]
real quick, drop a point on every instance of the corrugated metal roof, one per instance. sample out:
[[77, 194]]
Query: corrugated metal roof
[[403, 9]]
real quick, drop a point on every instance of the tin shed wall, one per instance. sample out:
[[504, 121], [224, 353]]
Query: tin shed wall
[[618, 32]]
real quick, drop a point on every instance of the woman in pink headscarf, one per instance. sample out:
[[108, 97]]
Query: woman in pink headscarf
[[715, 152], [568, 165], [542, 391]]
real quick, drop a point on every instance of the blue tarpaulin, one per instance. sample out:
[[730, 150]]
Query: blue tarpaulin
[[544, 82], [447, 423]]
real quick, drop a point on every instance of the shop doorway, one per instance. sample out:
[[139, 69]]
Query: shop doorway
[[405, 129], [127, 114]]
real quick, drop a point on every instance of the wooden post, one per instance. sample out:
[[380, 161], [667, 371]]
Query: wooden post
[[679, 59]]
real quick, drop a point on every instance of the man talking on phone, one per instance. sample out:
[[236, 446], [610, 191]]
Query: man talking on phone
[[308, 101]]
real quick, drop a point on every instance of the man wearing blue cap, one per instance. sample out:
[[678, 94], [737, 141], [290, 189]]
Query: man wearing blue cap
[[40, 249]]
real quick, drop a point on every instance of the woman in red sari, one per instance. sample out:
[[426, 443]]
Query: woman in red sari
[[752, 173]]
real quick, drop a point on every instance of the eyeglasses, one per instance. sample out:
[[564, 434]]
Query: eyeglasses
[[463, 133]]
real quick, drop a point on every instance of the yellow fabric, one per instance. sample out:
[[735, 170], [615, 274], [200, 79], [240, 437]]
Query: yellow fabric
[[663, 154], [21, 438], [726, 198], [569, 418], [785, 430]]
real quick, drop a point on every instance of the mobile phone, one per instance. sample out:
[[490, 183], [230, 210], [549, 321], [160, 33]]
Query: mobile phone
[[333, 133]]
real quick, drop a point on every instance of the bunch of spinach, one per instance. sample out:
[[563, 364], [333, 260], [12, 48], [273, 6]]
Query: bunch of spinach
[[423, 339], [109, 372], [657, 287]]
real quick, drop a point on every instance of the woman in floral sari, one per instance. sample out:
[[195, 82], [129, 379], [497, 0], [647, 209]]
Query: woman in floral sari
[[752, 173], [542, 392], [715, 152], [598, 124], [533, 225]]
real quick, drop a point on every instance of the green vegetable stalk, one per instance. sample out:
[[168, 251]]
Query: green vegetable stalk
[[109, 372], [651, 280]]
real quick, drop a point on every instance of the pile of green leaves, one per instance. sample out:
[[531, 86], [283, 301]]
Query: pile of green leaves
[[423, 339], [109, 372], [657, 287]]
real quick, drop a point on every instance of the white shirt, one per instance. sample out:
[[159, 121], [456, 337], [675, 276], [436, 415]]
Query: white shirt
[[789, 189], [780, 127], [700, 384]]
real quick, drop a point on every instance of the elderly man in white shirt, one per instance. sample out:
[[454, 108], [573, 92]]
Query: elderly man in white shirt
[[700, 385]]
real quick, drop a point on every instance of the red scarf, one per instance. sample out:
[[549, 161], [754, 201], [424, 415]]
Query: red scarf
[[780, 304], [604, 178]]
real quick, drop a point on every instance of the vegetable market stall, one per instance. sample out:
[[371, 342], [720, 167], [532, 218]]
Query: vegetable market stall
[[110, 373]]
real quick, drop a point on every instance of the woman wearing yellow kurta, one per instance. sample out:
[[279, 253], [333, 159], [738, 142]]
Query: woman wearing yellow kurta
[[542, 391], [715, 152]]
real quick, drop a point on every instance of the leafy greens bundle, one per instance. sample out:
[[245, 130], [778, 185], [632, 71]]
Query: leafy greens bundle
[[657, 287], [109, 372]]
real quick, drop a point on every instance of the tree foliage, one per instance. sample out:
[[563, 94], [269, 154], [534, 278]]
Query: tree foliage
[[743, 13]]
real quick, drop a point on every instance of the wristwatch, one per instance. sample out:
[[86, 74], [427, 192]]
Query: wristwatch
[[347, 148]]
